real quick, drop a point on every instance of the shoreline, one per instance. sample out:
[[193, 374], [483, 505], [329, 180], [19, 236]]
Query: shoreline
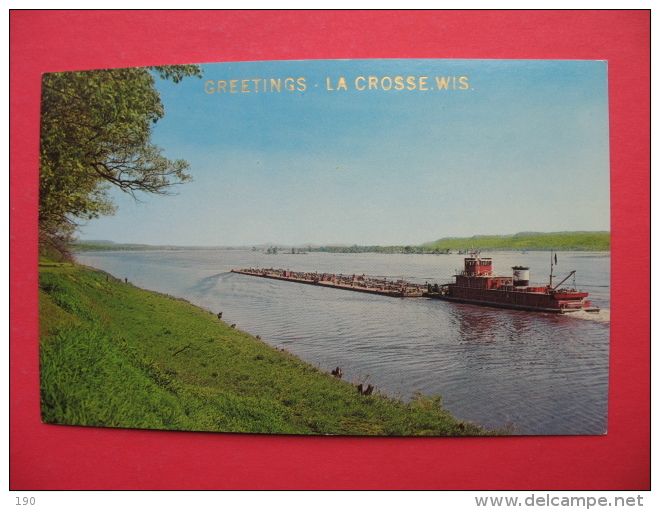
[[208, 375]]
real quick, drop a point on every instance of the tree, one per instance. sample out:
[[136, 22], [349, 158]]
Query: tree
[[95, 134]]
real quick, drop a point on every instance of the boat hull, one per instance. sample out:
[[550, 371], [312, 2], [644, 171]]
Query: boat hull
[[511, 306]]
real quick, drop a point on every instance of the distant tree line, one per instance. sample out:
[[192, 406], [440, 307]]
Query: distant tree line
[[525, 241], [375, 249], [559, 241], [531, 241]]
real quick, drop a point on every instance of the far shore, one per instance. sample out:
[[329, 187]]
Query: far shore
[[525, 241]]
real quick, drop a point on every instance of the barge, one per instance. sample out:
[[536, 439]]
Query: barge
[[358, 283], [475, 284]]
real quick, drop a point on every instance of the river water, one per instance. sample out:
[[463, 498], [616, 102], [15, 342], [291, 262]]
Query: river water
[[540, 373]]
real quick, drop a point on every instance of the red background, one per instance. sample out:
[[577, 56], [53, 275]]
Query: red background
[[61, 457]]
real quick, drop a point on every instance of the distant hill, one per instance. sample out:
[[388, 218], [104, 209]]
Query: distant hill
[[80, 246], [529, 241], [83, 246], [539, 241]]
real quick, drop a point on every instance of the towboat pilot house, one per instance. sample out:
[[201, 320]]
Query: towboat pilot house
[[478, 275]]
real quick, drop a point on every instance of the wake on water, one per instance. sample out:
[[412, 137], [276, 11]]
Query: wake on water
[[603, 316]]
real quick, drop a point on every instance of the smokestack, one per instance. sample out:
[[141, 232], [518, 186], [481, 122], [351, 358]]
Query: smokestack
[[520, 276]]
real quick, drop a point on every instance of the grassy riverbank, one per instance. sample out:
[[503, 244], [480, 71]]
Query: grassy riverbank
[[114, 355]]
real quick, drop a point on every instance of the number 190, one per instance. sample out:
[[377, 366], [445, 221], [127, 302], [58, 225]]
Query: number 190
[[25, 501]]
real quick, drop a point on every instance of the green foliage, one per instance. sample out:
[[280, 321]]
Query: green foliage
[[541, 241], [560, 241], [96, 133], [117, 356]]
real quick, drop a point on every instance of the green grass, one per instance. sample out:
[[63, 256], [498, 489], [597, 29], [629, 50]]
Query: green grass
[[114, 355]]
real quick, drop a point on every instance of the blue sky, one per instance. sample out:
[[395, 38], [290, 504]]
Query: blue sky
[[515, 146]]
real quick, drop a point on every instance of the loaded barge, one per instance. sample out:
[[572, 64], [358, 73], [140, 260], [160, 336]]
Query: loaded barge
[[394, 288], [475, 285]]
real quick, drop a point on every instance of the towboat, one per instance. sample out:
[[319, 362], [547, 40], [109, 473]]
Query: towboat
[[476, 284]]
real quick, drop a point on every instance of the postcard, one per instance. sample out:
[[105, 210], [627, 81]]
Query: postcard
[[327, 247]]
